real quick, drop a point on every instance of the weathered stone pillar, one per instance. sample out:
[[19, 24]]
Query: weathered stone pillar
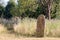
[[40, 26]]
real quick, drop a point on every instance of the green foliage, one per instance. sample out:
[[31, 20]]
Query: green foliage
[[55, 8], [1, 10], [7, 13], [40, 10], [10, 9], [24, 5], [13, 9], [30, 8], [55, 11]]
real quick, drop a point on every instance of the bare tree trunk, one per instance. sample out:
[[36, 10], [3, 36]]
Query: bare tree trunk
[[47, 4], [49, 12]]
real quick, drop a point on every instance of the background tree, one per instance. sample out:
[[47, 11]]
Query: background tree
[[1, 11], [56, 5], [31, 8], [50, 8], [1, 8], [13, 9], [46, 7], [10, 10], [7, 13], [25, 5]]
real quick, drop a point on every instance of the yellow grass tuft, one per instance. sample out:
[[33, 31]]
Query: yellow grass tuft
[[26, 26], [2, 29]]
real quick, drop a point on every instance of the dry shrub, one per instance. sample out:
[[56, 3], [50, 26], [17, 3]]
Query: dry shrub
[[2, 29], [29, 25], [26, 26], [52, 28]]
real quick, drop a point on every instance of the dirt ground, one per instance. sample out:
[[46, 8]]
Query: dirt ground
[[12, 37]]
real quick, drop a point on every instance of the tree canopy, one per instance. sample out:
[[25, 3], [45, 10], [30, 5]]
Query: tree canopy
[[31, 8]]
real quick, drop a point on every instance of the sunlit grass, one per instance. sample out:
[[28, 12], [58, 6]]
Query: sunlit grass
[[2, 29], [27, 27], [52, 28]]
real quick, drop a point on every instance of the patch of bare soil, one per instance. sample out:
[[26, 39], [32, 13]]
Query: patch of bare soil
[[12, 37]]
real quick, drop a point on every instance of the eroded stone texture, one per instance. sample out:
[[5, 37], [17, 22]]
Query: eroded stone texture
[[40, 26]]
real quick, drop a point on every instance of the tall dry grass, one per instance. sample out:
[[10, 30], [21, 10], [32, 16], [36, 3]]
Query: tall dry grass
[[52, 28], [27, 26], [2, 29]]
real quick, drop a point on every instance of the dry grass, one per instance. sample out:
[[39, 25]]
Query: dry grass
[[52, 28], [2, 29], [27, 27]]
